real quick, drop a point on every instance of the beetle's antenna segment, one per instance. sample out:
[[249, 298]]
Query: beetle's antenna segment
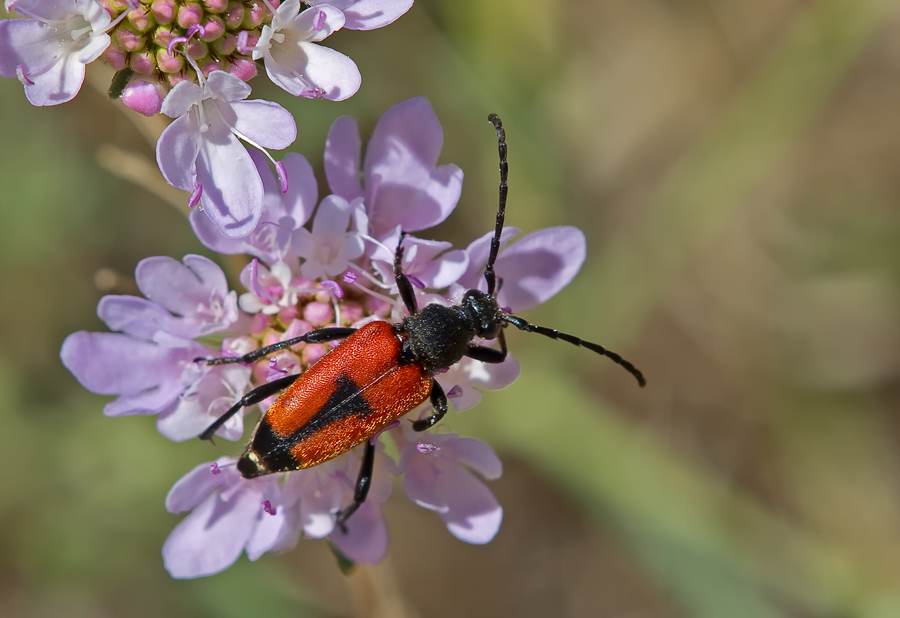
[[593, 347], [501, 211]]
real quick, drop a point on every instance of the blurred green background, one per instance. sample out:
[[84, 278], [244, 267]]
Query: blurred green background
[[735, 166]]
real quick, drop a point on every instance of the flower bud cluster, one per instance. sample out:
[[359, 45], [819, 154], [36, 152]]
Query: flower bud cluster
[[142, 42]]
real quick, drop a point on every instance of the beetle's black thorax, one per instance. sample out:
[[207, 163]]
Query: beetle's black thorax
[[439, 336]]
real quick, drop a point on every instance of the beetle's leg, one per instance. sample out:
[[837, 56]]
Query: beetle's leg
[[488, 355], [439, 403], [404, 287], [255, 396], [363, 482], [321, 335]]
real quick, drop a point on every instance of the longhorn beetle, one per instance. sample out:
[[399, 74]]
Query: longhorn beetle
[[379, 373]]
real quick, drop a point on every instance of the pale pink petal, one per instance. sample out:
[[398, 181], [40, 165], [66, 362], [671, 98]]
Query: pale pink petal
[[177, 150], [342, 158], [212, 537], [475, 454], [366, 540], [266, 123], [227, 87], [191, 489], [140, 318], [368, 14], [181, 98], [232, 189], [535, 268], [474, 516]]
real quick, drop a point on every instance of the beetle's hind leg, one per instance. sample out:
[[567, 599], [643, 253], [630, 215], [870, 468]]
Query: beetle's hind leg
[[363, 482], [322, 335]]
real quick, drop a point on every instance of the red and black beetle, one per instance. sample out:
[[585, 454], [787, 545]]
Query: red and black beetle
[[379, 373]]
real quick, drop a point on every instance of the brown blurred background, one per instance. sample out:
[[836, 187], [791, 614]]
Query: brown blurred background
[[735, 166]]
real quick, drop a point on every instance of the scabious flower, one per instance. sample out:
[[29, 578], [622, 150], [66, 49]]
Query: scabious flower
[[188, 60], [49, 50], [312, 270], [201, 151]]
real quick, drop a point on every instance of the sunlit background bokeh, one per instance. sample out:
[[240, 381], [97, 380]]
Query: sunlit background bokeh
[[735, 166]]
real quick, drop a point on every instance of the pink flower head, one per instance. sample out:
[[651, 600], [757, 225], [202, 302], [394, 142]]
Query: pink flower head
[[201, 149], [48, 51], [403, 186], [296, 63], [149, 361], [367, 14]]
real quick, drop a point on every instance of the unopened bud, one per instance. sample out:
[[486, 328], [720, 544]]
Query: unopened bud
[[189, 15], [141, 20], [143, 63], [128, 40], [169, 63], [213, 28], [244, 69], [163, 11], [143, 97], [234, 14]]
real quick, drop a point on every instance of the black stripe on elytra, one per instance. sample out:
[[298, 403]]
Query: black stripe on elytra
[[346, 400]]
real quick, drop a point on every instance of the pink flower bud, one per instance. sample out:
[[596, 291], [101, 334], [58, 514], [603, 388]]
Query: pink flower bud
[[143, 97], [140, 20], [225, 45], [351, 312], [215, 6], [143, 63], [169, 63], [255, 16], [259, 324], [244, 69], [313, 352], [163, 11], [213, 28], [189, 15], [116, 57], [128, 40], [176, 78], [162, 36], [287, 314], [318, 313], [197, 49], [234, 15]]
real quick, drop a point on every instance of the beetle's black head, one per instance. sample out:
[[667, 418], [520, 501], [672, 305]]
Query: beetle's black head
[[484, 313]]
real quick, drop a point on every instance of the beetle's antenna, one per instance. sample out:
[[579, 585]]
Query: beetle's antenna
[[593, 347], [501, 211]]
